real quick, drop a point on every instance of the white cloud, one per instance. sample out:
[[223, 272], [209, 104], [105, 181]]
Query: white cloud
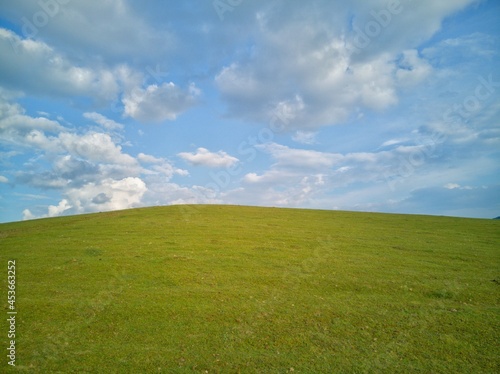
[[304, 137], [96, 147], [298, 174], [59, 209], [105, 195], [453, 186], [289, 110], [14, 122], [107, 123], [112, 30], [390, 142], [312, 77], [278, 188], [326, 89], [158, 103], [252, 178], [148, 159], [90, 169], [28, 215], [159, 166], [271, 177], [35, 67], [39, 69], [3, 179], [203, 157]]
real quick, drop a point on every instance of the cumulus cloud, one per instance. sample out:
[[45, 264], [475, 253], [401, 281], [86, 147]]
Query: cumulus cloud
[[39, 69], [96, 147], [203, 157], [320, 76], [59, 209], [28, 215], [160, 167], [93, 146], [114, 30], [90, 169], [105, 195], [74, 166], [36, 68], [325, 90], [14, 122], [157, 103]]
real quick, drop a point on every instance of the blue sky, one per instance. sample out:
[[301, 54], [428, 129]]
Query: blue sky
[[386, 106]]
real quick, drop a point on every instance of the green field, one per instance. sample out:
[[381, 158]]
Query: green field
[[209, 289]]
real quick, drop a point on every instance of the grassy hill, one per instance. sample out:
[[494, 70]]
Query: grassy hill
[[207, 289]]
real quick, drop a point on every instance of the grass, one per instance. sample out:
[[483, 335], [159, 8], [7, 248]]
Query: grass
[[197, 289]]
